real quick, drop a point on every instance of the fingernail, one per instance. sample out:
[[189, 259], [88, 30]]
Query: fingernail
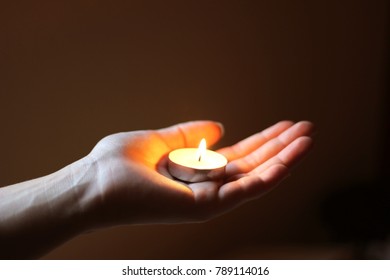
[[221, 128]]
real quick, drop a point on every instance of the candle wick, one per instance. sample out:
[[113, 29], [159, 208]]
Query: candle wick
[[200, 156]]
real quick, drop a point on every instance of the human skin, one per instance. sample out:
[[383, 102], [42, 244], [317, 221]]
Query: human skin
[[124, 181]]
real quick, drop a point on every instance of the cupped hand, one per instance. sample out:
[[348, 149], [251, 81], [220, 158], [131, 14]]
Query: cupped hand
[[135, 187]]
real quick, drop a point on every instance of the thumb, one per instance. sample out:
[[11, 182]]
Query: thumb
[[189, 134]]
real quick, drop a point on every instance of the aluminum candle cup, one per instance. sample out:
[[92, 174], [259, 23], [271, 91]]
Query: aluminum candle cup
[[196, 164]]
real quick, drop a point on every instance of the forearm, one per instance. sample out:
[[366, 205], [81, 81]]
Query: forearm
[[38, 215]]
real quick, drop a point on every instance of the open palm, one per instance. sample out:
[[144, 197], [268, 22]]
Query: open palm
[[136, 186]]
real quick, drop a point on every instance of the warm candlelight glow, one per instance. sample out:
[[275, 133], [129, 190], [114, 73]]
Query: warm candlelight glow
[[196, 164], [201, 149]]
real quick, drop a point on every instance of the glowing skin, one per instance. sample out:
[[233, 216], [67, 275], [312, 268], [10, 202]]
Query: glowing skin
[[125, 180]]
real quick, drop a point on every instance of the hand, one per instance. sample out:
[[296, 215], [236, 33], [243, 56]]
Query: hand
[[124, 180], [135, 186]]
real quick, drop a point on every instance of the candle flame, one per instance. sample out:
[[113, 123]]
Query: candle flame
[[201, 149]]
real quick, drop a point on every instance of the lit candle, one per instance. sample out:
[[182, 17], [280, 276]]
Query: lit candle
[[196, 164]]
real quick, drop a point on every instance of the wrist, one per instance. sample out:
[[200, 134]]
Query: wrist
[[84, 180], [40, 214]]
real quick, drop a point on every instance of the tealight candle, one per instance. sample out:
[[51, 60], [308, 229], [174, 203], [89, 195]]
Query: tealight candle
[[196, 164]]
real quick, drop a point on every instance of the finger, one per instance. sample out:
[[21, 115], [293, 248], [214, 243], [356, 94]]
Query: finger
[[289, 156], [268, 149], [189, 134], [252, 186], [205, 192], [251, 143]]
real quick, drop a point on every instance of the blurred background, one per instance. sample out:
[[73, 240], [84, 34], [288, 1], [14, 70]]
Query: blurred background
[[72, 72]]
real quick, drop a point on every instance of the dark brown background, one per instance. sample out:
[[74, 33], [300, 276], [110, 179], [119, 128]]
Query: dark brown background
[[72, 72]]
